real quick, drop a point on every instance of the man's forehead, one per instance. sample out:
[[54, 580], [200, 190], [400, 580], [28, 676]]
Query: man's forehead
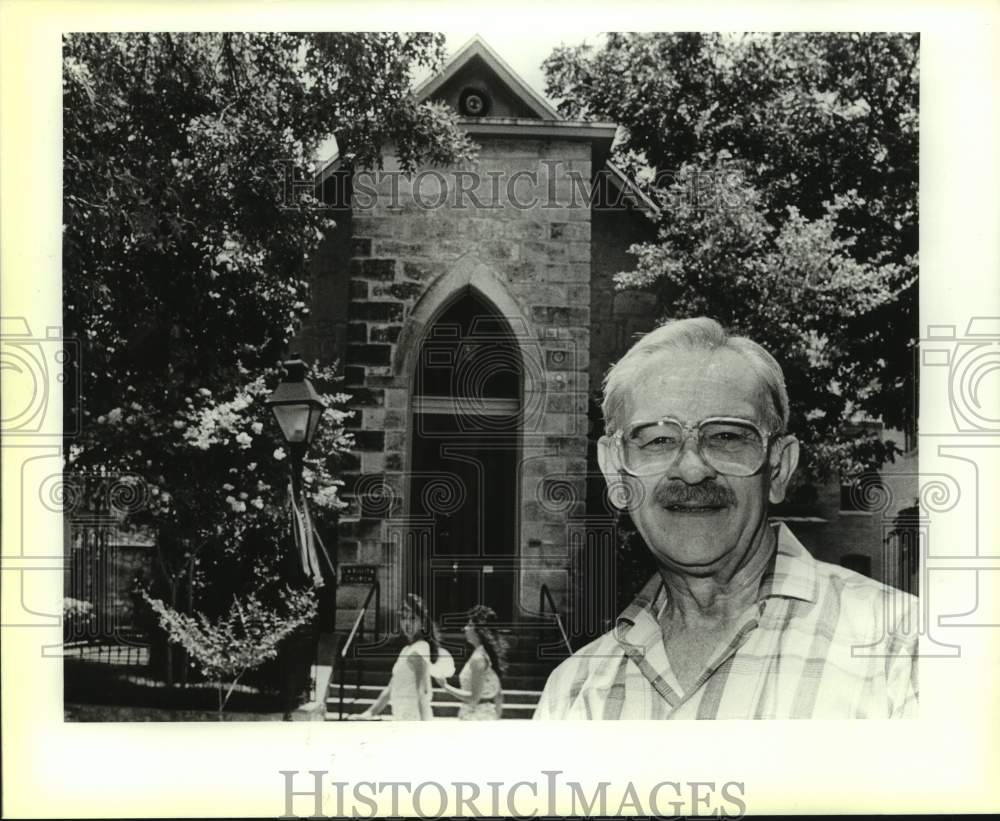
[[697, 382]]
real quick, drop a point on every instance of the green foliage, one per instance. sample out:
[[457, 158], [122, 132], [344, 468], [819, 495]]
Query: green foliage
[[786, 166], [184, 266], [241, 640]]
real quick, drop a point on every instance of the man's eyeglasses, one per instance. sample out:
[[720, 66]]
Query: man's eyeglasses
[[734, 447]]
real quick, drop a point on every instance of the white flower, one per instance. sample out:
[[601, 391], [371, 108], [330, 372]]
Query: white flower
[[204, 391], [326, 497], [227, 486], [252, 466], [76, 607], [279, 453], [114, 416], [179, 423], [257, 428], [257, 502], [244, 440]]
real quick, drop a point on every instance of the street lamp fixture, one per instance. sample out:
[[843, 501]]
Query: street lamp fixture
[[296, 406]]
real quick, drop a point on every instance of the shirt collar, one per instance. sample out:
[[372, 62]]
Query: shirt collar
[[649, 601], [790, 574]]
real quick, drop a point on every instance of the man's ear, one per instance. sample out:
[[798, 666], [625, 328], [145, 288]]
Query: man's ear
[[607, 458], [783, 467]]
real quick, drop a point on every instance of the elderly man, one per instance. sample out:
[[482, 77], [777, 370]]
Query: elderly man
[[740, 621]]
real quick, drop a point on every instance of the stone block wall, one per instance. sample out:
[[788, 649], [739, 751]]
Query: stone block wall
[[507, 226], [617, 317], [324, 337]]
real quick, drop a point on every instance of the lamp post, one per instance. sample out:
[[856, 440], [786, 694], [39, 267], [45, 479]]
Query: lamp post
[[297, 409]]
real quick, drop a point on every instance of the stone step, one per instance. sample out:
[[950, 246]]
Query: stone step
[[529, 664], [533, 657], [381, 678], [441, 709], [518, 666], [371, 691], [528, 655], [529, 677], [517, 645], [517, 704]]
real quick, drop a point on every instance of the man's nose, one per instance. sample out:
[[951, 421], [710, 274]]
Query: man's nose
[[689, 466]]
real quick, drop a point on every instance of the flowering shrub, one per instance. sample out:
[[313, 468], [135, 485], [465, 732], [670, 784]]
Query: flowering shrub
[[244, 638], [214, 485], [241, 432]]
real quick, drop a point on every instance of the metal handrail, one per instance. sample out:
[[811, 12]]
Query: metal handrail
[[358, 629], [543, 596], [372, 591]]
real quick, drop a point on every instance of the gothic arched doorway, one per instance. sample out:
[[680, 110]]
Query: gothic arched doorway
[[466, 418]]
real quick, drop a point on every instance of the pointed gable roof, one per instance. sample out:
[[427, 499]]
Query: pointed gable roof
[[517, 111], [477, 64]]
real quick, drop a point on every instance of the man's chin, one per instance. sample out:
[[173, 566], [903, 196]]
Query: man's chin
[[704, 564], [694, 539]]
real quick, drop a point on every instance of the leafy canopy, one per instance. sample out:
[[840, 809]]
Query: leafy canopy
[[786, 166]]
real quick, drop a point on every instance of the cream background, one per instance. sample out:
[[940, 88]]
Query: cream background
[[941, 763]]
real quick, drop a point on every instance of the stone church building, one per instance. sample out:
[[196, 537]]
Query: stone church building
[[473, 312]]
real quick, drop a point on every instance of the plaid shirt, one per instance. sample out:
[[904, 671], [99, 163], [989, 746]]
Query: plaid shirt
[[815, 645]]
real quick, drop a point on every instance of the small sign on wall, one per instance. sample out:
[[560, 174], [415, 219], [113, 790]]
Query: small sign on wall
[[358, 573]]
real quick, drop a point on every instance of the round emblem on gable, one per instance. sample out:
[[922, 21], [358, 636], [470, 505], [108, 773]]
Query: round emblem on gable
[[474, 103]]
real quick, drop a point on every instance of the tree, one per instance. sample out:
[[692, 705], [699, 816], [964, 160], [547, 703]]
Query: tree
[[184, 268], [247, 636], [787, 169]]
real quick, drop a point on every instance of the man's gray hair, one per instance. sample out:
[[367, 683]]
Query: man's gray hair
[[697, 334]]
